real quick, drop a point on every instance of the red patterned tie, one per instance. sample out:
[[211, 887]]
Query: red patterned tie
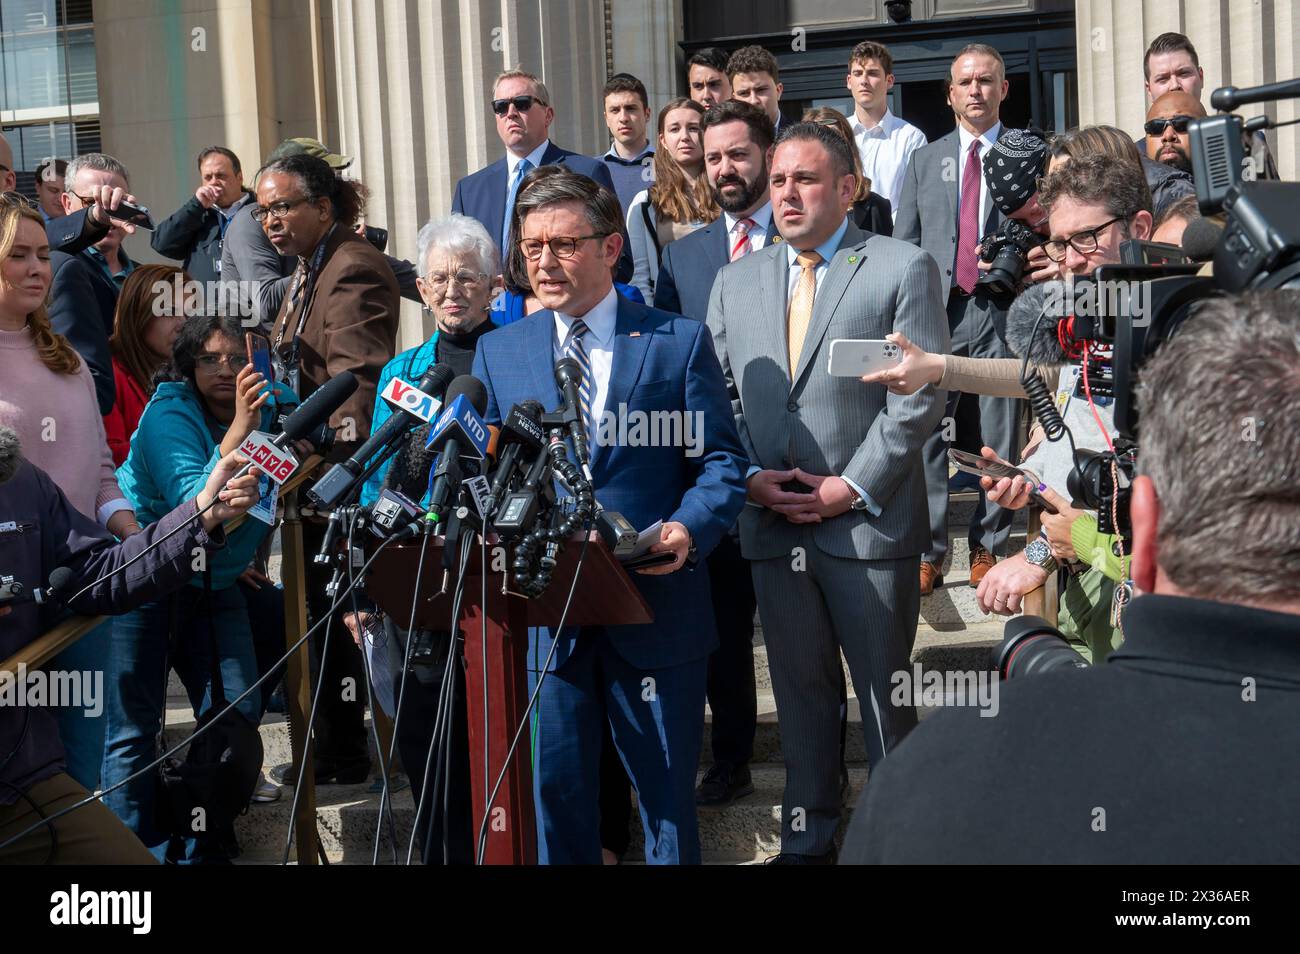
[[743, 246], [968, 227]]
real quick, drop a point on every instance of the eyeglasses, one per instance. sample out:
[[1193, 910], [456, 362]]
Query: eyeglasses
[[521, 103], [467, 280], [276, 210], [562, 246], [1084, 242], [211, 363], [1156, 127]]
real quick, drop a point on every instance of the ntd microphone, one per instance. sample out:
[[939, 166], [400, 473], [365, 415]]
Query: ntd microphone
[[461, 420]]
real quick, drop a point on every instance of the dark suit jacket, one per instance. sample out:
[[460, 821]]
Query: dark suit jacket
[[688, 266], [873, 214], [351, 325], [73, 233], [192, 236], [663, 363], [928, 204], [82, 304], [482, 195]]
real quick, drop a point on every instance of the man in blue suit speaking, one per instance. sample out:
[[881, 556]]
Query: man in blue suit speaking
[[522, 106], [648, 680]]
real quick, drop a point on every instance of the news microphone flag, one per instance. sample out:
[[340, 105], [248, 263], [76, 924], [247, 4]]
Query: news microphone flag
[[461, 421]]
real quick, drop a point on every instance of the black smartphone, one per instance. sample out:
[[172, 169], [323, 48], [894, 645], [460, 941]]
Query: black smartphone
[[137, 215]]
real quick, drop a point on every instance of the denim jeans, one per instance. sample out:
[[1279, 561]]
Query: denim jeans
[[137, 691], [81, 728]]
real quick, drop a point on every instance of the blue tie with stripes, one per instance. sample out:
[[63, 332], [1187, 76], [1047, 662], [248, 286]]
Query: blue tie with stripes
[[573, 349], [521, 170]]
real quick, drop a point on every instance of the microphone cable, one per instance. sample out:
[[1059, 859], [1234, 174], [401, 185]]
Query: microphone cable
[[401, 689], [96, 796]]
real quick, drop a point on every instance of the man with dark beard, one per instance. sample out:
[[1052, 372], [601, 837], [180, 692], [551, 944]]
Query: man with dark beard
[[737, 151], [1168, 141]]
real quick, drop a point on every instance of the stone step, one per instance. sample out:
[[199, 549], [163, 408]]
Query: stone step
[[745, 831]]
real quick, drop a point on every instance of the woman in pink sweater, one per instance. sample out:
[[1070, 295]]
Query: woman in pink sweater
[[47, 396]]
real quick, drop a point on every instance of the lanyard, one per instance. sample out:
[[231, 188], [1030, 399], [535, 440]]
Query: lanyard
[[307, 280]]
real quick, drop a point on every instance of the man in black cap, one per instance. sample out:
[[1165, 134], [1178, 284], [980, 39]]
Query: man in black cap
[[1012, 169]]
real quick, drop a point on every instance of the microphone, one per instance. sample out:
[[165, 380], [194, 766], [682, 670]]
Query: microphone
[[1230, 97], [460, 431], [1201, 238], [316, 410], [61, 581], [11, 454], [568, 375], [521, 431], [342, 478], [1044, 348]]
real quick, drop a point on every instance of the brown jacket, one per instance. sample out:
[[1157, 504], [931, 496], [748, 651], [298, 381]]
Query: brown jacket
[[351, 325]]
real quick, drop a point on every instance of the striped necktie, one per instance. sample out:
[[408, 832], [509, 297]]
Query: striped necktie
[[742, 246], [521, 170], [573, 349]]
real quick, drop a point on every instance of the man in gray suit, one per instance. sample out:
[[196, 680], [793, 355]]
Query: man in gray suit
[[836, 516], [946, 209]]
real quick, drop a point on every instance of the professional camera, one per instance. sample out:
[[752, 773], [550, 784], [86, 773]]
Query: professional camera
[[1008, 250], [1031, 645]]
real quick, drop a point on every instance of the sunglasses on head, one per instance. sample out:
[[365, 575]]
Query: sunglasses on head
[[521, 103], [1156, 127]]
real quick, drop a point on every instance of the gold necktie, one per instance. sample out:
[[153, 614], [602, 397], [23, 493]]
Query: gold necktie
[[801, 306]]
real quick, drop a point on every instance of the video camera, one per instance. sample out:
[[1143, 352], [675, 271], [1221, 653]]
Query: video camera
[[1122, 314]]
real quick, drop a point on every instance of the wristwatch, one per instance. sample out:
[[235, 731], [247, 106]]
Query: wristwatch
[[857, 503], [1040, 555]]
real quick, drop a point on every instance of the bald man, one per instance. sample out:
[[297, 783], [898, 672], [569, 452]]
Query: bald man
[[1166, 128], [8, 178]]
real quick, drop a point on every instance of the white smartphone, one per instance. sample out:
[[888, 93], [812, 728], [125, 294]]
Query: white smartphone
[[854, 357]]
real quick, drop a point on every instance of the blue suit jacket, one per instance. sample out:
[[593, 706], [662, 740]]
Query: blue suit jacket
[[689, 265], [482, 195], [662, 362]]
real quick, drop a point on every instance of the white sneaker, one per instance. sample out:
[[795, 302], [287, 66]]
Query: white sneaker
[[266, 790]]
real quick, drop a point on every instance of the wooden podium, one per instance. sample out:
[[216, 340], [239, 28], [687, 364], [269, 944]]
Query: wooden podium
[[605, 595]]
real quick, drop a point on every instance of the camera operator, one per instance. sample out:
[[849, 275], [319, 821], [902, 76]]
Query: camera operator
[[1094, 203], [1182, 756], [50, 533]]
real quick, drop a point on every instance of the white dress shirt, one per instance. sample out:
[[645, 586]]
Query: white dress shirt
[[885, 149], [757, 235], [598, 342], [986, 143], [512, 162]]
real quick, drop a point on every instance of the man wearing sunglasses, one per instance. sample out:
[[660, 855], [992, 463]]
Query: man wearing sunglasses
[[1167, 139], [522, 106]]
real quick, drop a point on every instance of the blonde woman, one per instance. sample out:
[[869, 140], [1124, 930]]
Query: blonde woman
[[47, 397], [680, 200]]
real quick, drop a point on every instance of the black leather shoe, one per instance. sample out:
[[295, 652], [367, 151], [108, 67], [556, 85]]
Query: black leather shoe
[[284, 774], [789, 858], [723, 784]]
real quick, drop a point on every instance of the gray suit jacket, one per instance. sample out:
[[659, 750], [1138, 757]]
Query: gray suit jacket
[[828, 425], [928, 205]]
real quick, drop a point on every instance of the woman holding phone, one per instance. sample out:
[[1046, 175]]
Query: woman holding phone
[[207, 401]]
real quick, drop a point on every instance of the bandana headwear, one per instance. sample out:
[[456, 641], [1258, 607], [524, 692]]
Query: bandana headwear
[[1012, 168]]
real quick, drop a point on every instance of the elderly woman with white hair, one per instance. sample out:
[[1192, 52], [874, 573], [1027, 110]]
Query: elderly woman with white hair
[[459, 266]]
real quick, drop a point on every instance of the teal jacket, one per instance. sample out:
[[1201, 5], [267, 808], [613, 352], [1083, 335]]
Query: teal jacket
[[174, 450], [410, 366]]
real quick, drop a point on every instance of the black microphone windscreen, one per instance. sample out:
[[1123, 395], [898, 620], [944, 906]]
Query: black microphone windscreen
[[1200, 239], [1043, 347], [11, 454], [316, 410], [437, 379], [472, 388], [61, 580]]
